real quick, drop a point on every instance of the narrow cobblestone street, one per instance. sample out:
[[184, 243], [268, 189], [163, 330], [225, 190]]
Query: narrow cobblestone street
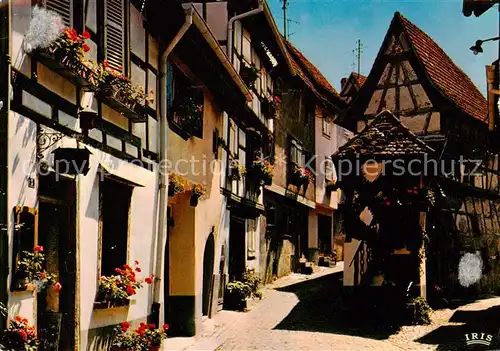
[[300, 312]]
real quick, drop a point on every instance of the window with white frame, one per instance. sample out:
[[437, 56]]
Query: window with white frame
[[251, 238], [327, 127], [297, 156], [328, 168]]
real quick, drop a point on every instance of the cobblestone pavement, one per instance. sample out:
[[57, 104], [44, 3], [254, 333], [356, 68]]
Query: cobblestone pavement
[[301, 313]]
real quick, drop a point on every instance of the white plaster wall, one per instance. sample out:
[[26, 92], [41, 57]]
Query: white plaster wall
[[142, 233], [22, 153]]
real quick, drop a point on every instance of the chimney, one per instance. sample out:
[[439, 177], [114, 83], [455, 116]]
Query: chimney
[[492, 94], [343, 82]]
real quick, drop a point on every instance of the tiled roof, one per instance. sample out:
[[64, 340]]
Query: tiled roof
[[444, 74], [311, 76], [361, 79], [386, 136]]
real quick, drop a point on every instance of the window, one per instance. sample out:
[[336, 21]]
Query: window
[[297, 156], [185, 104], [327, 127], [24, 239], [237, 153], [328, 168], [115, 198], [251, 238]]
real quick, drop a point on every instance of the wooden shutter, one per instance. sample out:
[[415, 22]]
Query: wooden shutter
[[63, 9], [115, 33]]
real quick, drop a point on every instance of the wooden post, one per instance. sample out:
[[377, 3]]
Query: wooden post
[[423, 259]]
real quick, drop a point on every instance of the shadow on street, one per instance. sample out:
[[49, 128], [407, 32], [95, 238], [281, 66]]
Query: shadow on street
[[321, 309], [452, 337]]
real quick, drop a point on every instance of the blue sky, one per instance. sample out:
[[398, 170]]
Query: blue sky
[[329, 29]]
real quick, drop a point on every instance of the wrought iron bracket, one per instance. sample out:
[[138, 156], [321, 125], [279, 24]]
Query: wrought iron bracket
[[44, 140]]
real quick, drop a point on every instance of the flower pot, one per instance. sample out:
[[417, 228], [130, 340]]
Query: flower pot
[[171, 190], [154, 348], [193, 201]]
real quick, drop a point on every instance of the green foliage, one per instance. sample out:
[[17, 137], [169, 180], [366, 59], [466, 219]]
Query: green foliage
[[422, 311], [31, 266], [239, 290], [253, 281], [261, 171], [140, 339]]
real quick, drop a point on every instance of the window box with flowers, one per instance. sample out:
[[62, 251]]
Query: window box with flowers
[[115, 291], [198, 191], [237, 171], [146, 337], [119, 93], [301, 176], [31, 274], [249, 74], [176, 184], [260, 172], [270, 106], [61, 49], [20, 335]]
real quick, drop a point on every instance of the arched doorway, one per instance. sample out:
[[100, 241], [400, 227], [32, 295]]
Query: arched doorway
[[208, 271]]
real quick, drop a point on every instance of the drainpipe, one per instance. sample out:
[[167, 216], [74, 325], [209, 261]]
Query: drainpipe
[[162, 218], [230, 25], [5, 97]]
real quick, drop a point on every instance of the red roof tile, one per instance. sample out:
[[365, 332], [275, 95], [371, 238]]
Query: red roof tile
[[311, 76], [444, 74], [361, 79]]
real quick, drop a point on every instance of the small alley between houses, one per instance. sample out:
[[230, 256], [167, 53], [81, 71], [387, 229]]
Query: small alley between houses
[[304, 312]]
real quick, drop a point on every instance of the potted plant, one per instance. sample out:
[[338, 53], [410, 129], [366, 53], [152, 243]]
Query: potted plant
[[236, 295], [261, 172], [176, 184], [31, 271], [124, 339], [20, 335], [249, 74], [116, 290], [155, 336], [198, 191], [237, 171]]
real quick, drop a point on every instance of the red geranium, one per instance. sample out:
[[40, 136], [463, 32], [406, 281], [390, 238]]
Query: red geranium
[[125, 326], [148, 280], [86, 48], [86, 34], [38, 249]]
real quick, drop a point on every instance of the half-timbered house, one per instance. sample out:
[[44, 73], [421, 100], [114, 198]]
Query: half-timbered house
[[414, 79], [91, 127]]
